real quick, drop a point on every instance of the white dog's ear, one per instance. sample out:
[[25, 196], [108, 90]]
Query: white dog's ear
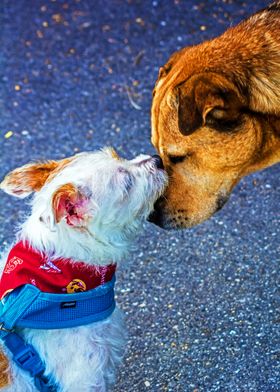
[[72, 204], [24, 180], [29, 178]]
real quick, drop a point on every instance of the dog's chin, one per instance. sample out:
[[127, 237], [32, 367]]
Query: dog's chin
[[181, 219]]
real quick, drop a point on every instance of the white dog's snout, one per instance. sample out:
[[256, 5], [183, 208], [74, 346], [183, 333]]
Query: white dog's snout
[[141, 159], [151, 161], [146, 159]]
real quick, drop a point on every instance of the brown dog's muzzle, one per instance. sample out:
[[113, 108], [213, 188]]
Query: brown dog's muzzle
[[167, 220], [180, 218]]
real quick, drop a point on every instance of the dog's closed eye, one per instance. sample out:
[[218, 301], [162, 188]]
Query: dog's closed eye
[[122, 170], [127, 179], [177, 158]]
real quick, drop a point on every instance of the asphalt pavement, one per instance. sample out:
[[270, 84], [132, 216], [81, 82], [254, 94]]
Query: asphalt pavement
[[202, 305]]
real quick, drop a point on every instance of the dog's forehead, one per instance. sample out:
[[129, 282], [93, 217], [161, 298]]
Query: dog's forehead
[[86, 167], [106, 158]]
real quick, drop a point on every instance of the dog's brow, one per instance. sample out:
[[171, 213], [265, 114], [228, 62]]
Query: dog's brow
[[171, 150]]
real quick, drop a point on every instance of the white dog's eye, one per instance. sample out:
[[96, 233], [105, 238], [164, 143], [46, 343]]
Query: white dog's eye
[[122, 170], [127, 178]]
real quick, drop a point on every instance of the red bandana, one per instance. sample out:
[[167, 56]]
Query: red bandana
[[26, 266]]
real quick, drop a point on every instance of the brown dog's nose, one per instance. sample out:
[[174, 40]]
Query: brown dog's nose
[[158, 161]]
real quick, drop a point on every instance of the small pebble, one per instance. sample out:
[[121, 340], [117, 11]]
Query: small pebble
[[140, 21], [8, 134]]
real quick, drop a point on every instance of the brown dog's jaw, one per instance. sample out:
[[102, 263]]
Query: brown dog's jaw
[[176, 219], [180, 218]]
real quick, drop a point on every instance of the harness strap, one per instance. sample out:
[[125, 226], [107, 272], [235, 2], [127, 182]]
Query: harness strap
[[27, 358], [24, 355], [28, 294]]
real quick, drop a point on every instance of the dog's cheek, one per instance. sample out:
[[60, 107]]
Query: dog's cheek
[[47, 218]]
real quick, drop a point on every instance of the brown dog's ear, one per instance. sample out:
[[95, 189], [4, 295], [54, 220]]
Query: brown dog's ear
[[207, 98], [24, 180]]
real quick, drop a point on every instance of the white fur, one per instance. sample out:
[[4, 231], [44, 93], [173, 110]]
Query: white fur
[[120, 196]]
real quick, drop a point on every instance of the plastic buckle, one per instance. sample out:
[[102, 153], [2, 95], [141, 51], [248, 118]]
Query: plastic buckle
[[25, 358], [29, 360], [2, 328]]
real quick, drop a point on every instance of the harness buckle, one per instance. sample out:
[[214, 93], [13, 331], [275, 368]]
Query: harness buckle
[[2, 328], [25, 359]]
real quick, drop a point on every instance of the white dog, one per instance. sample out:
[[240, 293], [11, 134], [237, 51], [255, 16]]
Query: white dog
[[86, 212]]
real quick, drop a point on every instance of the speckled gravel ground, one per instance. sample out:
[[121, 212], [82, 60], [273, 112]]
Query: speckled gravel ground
[[202, 305]]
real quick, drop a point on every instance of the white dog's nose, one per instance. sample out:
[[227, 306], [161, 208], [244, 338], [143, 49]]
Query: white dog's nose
[[158, 161], [155, 159]]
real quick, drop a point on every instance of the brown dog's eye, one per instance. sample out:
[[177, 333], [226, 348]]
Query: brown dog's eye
[[177, 158]]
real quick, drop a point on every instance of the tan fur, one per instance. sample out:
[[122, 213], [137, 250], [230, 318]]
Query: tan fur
[[4, 371], [60, 165], [218, 105]]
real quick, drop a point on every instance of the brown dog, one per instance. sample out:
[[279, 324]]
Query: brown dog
[[216, 117]]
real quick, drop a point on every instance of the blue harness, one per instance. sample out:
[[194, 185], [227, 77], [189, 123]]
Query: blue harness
[[29, 307]]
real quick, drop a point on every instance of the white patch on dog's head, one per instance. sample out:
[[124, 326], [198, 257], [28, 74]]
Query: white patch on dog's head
[[94, 203]]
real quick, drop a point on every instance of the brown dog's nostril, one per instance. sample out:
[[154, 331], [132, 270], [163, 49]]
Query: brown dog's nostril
[[158, 161]]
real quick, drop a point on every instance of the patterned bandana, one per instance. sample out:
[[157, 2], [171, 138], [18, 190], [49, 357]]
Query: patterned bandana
[[26, 266]]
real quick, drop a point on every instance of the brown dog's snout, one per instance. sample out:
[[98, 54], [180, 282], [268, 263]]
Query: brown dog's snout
[[158, 161]]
